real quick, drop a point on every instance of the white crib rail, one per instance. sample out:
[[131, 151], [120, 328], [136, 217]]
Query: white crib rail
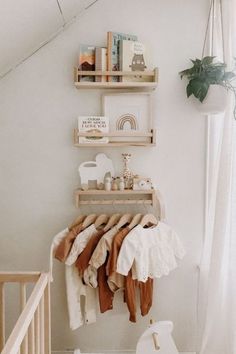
[[32, 331]]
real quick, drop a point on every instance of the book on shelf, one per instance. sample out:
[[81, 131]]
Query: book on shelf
[[134, 57], [101, 63], [87, 61], [93, 124], [113, 39]]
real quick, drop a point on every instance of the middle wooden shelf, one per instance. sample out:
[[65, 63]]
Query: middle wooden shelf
[[131, 138]]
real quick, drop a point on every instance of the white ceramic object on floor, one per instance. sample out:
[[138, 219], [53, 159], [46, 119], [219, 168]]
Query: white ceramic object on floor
[[164, 339], [215, 101]]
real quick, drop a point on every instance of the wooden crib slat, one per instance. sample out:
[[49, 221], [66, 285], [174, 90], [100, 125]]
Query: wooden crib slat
[[47, 319], [24, 345], [37, 332], [31, 335], [42, 338], [2, 318]]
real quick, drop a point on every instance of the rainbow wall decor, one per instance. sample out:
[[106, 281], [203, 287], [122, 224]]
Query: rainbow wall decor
[[127, 118]]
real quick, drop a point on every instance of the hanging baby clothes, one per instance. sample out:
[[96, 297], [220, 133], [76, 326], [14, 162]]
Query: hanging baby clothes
[[65, 245], [97, 268], [151, 252], [82, 264], [117, 281], [78, 314]]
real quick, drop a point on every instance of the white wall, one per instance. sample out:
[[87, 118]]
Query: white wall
[[38, 110]]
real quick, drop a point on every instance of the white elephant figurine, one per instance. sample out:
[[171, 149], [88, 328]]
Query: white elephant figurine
[[95, 170]]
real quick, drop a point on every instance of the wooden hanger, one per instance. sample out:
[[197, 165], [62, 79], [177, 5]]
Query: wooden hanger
[[101, 219], [90, 219], [112, 221], [135, 221], [148, 219], [125, 219], [77, 221]]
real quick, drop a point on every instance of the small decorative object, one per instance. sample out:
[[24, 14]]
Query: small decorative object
[[95, 171], [141, 183], [127, 174], [114, 185], [93, 124], [121, 184], [107, 183]]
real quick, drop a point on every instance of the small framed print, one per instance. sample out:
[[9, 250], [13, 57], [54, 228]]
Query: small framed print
[[129, 113]]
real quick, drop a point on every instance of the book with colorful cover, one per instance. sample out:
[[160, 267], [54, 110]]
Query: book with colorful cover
[[93, 124], [113, 39], [101, 63], [133, 57], [87, 60]]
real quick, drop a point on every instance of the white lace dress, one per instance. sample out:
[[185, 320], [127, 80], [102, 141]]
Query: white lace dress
[[150, 252]]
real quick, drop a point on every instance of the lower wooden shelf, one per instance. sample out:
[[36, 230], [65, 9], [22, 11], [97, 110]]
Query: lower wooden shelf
[[151, 197], [102, 197], [136, 139]]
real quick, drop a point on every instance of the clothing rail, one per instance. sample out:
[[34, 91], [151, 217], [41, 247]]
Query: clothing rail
[[32, 331]]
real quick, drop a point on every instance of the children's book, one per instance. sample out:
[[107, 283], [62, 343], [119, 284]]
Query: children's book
[[133, 57], [113, 39], [93, 124], [101, 63], [87, 61]]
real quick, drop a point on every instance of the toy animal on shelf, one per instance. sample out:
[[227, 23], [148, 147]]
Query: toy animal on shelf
[[127, 173], [95, 171]]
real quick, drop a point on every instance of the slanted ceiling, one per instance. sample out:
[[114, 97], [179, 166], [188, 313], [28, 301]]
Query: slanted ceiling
[[26, 25]]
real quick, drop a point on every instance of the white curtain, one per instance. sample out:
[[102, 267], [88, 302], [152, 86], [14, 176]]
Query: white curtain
[[217, 288]]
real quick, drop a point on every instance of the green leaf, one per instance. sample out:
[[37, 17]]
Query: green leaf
[[207, 60], [189, 90], [199, 88]]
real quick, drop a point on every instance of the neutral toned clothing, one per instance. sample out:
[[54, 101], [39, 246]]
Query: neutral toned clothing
[[83, 259], [99, 257], [104, 245], [80, 312], [116, 280], [65, 245], [80, 243], [151, 251], [55, 243], [146, 295]]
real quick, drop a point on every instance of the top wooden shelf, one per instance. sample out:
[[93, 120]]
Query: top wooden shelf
[[148, 85]]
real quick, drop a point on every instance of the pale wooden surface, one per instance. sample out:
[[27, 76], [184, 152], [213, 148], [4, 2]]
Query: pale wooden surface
[[115, 134], [116, 73], [47, 319], [42, 333], [26, 323], [115, 85], [19, 277], [2, 314], [24, 345]]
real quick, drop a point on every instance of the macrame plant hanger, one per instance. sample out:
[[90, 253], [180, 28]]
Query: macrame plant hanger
[[216, 9]]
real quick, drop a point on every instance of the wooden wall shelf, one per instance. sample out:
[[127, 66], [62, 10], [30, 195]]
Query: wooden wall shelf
[[146, 139], [149, 85], [150, 197], [102, 197]]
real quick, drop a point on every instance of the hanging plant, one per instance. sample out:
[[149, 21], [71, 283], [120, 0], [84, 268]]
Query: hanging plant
[[206, 72], [208, 79]]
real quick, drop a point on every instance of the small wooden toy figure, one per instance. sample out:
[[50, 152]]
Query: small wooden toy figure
[[127, 174]]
